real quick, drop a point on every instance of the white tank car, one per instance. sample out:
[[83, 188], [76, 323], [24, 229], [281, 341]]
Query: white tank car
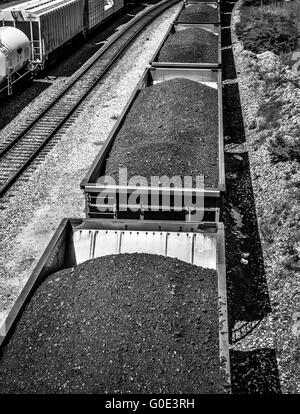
[[14, 51]]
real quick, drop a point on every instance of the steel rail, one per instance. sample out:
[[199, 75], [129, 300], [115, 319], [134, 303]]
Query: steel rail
[[125, 37]]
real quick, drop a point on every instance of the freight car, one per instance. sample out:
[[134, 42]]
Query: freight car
[[199, 12], [106, 200], [47, 26], [109, 233], [15, 52], [77, 241], [184, 43], [9, 3]]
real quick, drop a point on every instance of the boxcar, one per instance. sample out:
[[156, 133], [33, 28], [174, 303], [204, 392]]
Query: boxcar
[[47, 24], [97, 11]]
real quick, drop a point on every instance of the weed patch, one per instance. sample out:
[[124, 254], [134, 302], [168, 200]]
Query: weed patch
[[267, 28]]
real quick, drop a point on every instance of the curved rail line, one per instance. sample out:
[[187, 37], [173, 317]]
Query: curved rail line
[[16, 155]]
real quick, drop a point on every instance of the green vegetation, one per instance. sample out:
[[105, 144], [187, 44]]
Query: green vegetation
[[267, 26], [285, 211], [277, 124], [285, 147]]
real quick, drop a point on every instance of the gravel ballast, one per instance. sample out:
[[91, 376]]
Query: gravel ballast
[[171, 129], [198, 13], [119, 324], [190, 46], [267, 359]]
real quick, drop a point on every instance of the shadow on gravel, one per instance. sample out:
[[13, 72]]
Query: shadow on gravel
[[226, 16], [248, 299], [226, 38], [255, 372], [66, 63], [247, 288], [233, 118], [228, 69], [11, 106]]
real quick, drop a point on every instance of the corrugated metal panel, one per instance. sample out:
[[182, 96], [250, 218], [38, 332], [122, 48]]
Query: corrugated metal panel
[[95, 12], [61, 24], [22, 11], [112, 6], [199, 249], [58, 20], [98, 10], [44, 6]]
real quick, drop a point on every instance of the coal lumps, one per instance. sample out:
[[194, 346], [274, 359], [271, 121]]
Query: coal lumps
[[171, 129], [129, 323], [190, 46]]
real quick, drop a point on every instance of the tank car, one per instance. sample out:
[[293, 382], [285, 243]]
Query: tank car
[[15, 52]]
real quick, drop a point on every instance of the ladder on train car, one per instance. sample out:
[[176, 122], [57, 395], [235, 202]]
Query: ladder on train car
[[37, 60]]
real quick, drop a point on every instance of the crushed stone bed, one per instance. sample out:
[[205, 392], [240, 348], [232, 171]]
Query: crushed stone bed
[[267, 360]]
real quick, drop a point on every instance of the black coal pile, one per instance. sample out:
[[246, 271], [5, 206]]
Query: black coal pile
[[130, 323], [171, 129], [190, 46], [198, 13]]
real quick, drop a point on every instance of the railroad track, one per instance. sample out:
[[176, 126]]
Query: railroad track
[[23, 148]]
